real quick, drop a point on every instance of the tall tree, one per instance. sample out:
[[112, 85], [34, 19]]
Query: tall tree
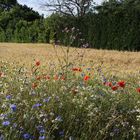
[[74, 8], [7, 4]]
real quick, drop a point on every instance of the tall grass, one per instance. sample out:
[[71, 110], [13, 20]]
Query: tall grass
[[71, 97], [68, 100]]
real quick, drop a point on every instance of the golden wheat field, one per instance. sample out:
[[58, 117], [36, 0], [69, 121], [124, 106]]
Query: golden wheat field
[[113, 61], [47, 92]]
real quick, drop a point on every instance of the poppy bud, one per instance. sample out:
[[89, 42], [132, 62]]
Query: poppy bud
[[37, 63], [138, 90]]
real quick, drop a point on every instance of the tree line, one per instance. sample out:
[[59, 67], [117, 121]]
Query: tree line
[[115, 24], [21, 24]]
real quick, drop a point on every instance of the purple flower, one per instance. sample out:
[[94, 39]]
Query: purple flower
[[6, 123], [32, 137], [116, 131], [26, 136], [14, 125], [4, 116], [42, 131], [88, 69], [42, 138], [61, 133], [13, 107], [82, 74], [59, 119], [47, 100], [8, 97], [1, 137], [39, 127], [37, 105], [21, 128]]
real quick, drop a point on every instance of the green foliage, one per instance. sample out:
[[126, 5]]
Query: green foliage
[[112, 25], [21, 24], [7, 4]]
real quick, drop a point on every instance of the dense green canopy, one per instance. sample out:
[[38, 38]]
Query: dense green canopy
[[114, 24], [20, 23], [7, 4]]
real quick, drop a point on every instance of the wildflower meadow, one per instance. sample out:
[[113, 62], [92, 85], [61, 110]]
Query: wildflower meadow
[[69, 100], [69, 69]]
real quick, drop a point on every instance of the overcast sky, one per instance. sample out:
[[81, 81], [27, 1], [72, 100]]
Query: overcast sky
[[36, 4]]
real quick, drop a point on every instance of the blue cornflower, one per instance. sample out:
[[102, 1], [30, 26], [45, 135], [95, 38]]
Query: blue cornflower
[[82, 74], [42, 131], [59, 118], [116, 131], [88, 69], [14, 125], [42, 138], [2, 137], [4, 116], [39, 127], [32, 137], [8, 97], [13, 107], [104, 79], [47, 100], [21, 129], [61, 133], [5, 123], [26, 136], [37, 105]]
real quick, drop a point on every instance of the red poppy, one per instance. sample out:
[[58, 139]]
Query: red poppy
[[138, 89], [121, 84], [34, 85], [63, 77], [86, 78], [47, 77], [38, 78], [114, 88], [0, 74], [55, 77], [77, 69], [108, 84], [37, 63]]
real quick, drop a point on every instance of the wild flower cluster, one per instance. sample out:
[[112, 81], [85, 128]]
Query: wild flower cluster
[[77, 104], [74, 37]]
